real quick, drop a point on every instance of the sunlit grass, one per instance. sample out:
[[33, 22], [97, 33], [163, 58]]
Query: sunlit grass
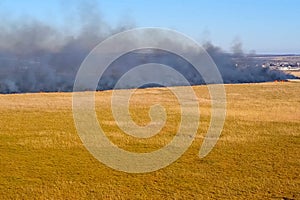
[[257, 156]]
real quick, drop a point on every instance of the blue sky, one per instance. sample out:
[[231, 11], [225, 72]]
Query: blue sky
[[266, 26]]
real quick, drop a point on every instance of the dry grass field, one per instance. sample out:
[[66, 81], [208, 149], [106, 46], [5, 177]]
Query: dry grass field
[[296, 73], [257, 156]]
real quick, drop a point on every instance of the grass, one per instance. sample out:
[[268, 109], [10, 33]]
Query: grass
[[296, 73], [257, 156]]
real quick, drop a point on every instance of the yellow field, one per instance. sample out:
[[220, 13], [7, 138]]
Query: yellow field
[[296, 73], [257, 156]]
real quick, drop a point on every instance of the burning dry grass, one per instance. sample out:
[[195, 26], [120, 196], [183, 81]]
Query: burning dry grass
[[256, 156]]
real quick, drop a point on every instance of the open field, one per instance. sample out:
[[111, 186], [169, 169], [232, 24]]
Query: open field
[[296, 73], [257, 156]]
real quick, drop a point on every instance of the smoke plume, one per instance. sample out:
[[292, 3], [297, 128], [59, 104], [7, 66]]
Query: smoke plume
[[36, 56]]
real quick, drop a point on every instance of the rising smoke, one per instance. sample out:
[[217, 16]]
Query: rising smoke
[[36, 56]]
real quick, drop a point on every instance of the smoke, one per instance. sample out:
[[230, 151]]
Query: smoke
[[242, 68], [237, 47], [234, 67], [36, 56]]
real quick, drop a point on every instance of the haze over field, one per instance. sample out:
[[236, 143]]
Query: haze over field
[[38, 56]]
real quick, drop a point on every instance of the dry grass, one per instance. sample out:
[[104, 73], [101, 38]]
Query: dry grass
[[296, 73], [257, 156]]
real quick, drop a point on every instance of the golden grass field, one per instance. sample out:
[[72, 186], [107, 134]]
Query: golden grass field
[[257, 156], [296, 73]]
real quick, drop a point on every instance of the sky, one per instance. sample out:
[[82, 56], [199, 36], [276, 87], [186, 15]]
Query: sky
[[265, 26]]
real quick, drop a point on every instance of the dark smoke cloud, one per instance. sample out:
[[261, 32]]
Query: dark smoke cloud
[[36, 56], [241, 68]]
